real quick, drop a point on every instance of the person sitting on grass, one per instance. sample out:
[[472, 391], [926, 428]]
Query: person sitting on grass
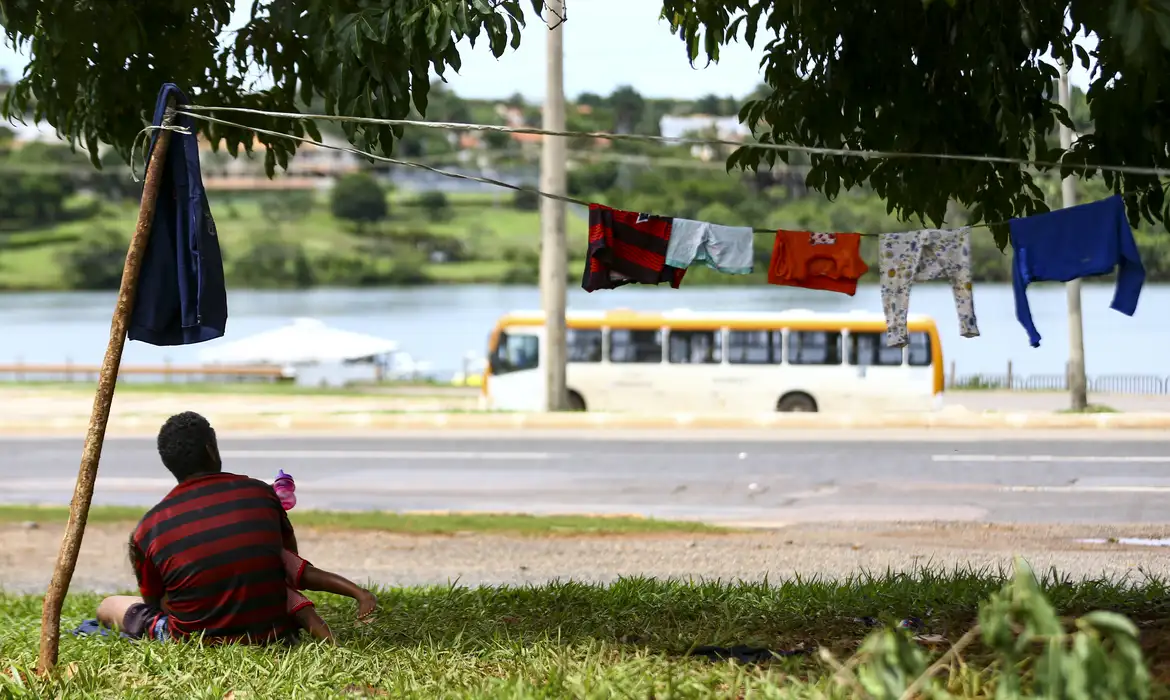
[[217, 556]]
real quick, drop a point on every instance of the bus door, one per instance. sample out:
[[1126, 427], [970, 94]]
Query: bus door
[[635, 380], [881, 380], [697, 378]]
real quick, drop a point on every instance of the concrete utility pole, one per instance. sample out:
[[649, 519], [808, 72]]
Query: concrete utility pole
[[553, 253], [1077, 383]]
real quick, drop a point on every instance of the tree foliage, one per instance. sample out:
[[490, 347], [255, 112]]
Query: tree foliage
[[950, 76], [287, 205], [436, 205], [359, 198], [956, 77], [35, 184], [526, 199], [96, 263], [95, 66], [628, 107]]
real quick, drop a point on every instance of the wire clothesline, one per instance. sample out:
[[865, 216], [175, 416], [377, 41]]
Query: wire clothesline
[[387, 159], [682, 140], [492, 181]]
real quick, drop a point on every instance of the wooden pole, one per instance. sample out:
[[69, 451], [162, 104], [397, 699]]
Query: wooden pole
[[100, 416]]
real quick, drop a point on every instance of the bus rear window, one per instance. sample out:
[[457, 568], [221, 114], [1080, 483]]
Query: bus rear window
[[515, 352]]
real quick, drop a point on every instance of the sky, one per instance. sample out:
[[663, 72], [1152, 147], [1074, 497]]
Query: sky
[[602, 52]]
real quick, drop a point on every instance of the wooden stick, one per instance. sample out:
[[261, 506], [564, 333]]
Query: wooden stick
[[96, 435]]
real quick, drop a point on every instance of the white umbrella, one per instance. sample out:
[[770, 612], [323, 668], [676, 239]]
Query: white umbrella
[[304, 341]]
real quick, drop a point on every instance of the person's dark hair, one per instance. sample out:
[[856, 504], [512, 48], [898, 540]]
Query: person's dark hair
[[186, 444]]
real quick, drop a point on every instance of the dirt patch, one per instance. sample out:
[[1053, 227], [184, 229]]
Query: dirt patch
[[27, 555]]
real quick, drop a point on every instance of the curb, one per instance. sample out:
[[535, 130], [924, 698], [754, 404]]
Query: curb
[[366, 422]]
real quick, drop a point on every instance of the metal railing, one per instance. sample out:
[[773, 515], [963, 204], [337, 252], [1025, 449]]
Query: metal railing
[[69, 372], [1137, 384]]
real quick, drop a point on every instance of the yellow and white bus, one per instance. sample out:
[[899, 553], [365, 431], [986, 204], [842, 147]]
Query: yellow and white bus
[[694, 362]]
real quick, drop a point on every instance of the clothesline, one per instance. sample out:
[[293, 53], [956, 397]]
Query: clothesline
[[628, 247], [680, 140], [459, 176], [387, 159]]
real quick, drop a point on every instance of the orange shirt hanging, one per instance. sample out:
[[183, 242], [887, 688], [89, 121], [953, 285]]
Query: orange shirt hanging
[[828, 261]]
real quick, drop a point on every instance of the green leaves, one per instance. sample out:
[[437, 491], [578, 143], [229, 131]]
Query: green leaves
[[893, 662], [950, 78], [96, 67], [1101, 659], [1033, 654]]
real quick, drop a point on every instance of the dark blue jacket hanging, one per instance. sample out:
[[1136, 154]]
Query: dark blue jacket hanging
[[1082, 241], [181, 295]]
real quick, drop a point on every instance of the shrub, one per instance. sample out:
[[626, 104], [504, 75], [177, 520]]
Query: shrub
[[359, 199], [526, 200], [96, 263], [436, 206]]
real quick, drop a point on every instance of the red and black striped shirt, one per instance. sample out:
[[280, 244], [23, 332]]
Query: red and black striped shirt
[[626, 247], [213, 548]]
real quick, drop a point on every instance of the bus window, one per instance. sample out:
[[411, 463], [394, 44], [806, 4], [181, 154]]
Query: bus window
[[871, 349], [696, 347], [814, 348], [919, 350], [635, 346], [583, 346], [515, 353], [755, 347]]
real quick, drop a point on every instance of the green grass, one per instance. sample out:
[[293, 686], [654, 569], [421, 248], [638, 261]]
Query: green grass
[[408, 523], [488, 230], [562, 640], [472, 272], [1091, 408]]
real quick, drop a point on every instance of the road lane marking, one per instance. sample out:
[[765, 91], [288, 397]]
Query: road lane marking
[[1106, 459], [131, 484], [385, 454], [1087, 489]]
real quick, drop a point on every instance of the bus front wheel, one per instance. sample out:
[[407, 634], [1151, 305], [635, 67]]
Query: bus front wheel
[[796, 402], [576, 403]]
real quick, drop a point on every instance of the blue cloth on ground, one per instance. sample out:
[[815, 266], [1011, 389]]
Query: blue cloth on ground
[[1082, 241], [181, 294], [92, 627]]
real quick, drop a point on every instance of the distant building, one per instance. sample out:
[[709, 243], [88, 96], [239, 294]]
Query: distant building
[[30, 132], [703, 126], [313, 167], [724, 128]]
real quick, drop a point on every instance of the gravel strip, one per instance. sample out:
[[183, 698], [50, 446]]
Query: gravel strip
[[27, 554]]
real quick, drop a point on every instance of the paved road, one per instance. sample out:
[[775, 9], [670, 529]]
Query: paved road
[[1061, 479]]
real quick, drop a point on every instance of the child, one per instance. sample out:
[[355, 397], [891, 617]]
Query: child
[[303, 576]]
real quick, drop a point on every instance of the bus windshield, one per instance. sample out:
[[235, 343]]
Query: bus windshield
[[515, 352]]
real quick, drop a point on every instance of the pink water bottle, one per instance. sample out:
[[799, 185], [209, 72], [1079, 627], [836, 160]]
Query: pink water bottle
[[286, 490]]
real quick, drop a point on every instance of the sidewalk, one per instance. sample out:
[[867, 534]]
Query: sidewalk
[[1052, 401], [67, 411]]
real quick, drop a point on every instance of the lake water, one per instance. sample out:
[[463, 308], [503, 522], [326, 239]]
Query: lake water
[[442, 324]]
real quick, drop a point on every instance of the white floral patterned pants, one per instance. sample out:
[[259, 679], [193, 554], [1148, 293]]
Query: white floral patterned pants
[[922, 256]]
